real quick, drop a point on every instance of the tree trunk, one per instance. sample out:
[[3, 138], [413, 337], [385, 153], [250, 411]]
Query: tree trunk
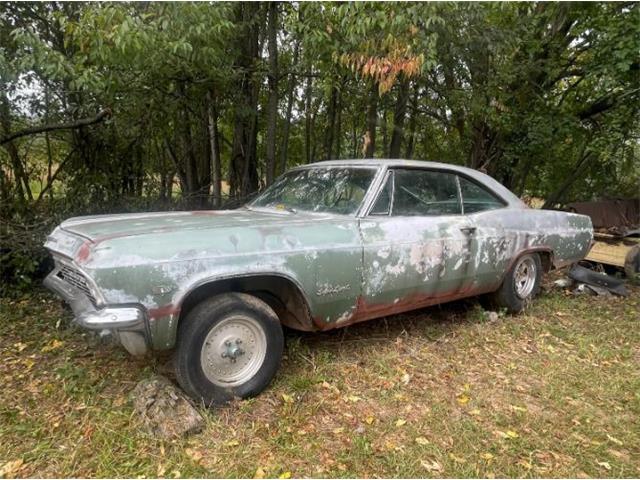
[[307, 119], [243, 177], [20, 175], [412, 124], [287, 121], [331, 122], [214, 145], [384, 127], [369, 147], [272, 79], [554, 198], [188, 153], [399, 114], [339, 124]]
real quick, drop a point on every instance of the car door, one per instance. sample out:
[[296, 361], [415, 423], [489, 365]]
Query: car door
[[491, 244], [416, 242]]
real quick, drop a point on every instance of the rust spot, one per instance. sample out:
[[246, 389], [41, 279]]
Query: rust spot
[[164, 311], [83, 252], [368, 311], [112, 236]]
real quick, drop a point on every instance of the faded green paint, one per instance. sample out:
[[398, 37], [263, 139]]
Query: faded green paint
[[349, 268]]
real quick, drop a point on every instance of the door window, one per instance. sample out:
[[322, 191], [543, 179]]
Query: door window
[[425, 192]]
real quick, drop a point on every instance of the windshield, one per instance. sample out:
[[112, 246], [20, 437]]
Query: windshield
[[335, 190]]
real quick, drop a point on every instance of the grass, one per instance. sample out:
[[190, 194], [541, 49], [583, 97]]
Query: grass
[[441, 392]]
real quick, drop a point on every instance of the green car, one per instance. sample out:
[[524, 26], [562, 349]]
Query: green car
[[327, 245]]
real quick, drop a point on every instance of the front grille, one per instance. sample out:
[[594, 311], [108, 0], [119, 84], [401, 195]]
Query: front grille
[[75, 278]]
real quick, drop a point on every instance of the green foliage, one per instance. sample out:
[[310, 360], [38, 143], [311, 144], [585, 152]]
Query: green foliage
[[543, 96]]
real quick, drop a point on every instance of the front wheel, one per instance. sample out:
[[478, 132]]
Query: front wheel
[[229, 346], [521, 284]]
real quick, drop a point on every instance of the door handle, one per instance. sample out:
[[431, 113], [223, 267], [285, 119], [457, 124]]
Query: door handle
[[468, 230]]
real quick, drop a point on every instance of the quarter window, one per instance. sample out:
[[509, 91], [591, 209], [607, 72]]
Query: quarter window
[[383, 202], [476, 198]]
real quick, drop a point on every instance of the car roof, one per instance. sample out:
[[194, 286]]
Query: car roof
[[477, 175]]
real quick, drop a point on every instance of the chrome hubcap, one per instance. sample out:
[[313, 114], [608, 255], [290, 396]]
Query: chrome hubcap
[[233, 351], [525, 276]]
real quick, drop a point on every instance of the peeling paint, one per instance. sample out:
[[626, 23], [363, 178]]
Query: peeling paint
[[327, 289]]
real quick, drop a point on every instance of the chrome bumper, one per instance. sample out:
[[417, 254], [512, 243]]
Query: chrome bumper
[[88, 316], [128, 323]]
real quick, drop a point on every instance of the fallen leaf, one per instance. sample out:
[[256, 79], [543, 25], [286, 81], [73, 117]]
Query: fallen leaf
[[338, 430], [196, 455], [486, 456], [353, 398], [422, 441], [161, 470], [287, 398], [525, 464], [9, 469], [232, 443], [614, 440], [285, 475], [20, 346], [605, 465], [475, 411], [400, 422], [463, 399], [457, 459], [369, 420], [617, 454], [431, 466], [260, 473], [406, 378], [515, 408], [52, 345]]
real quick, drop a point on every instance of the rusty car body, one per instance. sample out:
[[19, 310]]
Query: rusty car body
[[379, 249]]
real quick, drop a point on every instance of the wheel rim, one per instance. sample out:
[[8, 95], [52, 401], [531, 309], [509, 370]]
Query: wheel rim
[[524, 276], [233, 351]]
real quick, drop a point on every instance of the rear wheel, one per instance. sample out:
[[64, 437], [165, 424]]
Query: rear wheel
[[521, 284], [229, 346]]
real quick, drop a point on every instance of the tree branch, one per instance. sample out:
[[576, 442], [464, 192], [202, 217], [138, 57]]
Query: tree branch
[[58, 126], [604, 104]]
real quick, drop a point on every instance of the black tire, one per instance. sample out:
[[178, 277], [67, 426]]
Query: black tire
[[219, 320], [632, 264], [507, 296]]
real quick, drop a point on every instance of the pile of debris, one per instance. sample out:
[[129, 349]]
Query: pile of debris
[[582, 280], [616, 225]]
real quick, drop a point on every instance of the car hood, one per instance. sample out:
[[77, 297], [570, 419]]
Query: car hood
[[111, 241], [100, 228]]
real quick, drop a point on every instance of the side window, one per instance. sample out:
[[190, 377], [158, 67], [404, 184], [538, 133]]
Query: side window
[[425, 192], [383, 202], [476, 198]]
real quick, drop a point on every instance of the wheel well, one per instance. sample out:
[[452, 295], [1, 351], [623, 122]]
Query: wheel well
[[546, 257], [280, 293]]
